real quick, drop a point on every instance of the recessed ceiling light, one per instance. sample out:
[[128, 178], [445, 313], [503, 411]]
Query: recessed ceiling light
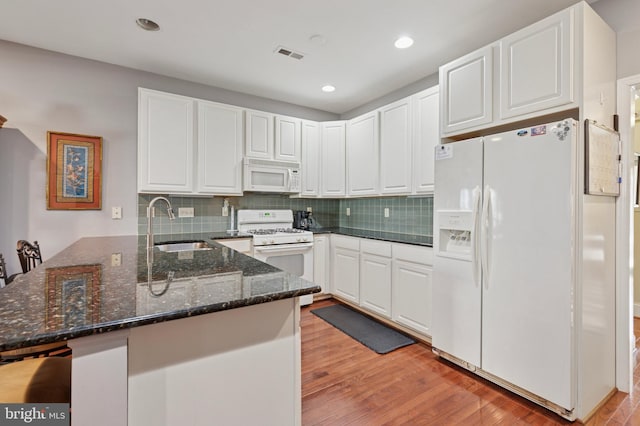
[[403, 42], [147, 24], [328, 88]]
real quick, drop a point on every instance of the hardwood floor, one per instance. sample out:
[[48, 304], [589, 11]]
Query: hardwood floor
[[345, 383]]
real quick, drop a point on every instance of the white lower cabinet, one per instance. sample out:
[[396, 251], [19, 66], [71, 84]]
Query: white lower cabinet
[[375, 276], [412, 282], [321, 253], [392, 280], [345, 263]]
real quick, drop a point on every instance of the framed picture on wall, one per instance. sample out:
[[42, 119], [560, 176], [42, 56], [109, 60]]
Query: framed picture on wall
[[74, 172]]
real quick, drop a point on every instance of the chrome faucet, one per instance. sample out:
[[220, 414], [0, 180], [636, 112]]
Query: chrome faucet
[[150, 214]]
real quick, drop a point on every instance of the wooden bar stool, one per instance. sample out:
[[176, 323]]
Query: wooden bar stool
[[36, 380]]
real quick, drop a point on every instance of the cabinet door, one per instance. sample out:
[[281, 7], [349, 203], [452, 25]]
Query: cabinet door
[[375, 277], [259, 135], [345, 266], [362, 154], [333, 159], [466, 91], [426, 127], [412, 295], [536, 66], [395, 147], [165, 142], [220, 139], [287, 147], [310, 158], [321, 262]]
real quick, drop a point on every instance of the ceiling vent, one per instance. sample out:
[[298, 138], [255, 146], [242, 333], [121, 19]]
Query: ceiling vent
[[289, 52]]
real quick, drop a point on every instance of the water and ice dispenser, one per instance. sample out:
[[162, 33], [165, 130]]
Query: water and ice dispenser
[[455, 239]]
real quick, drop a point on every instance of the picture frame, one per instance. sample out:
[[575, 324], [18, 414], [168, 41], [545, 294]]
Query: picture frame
[[74, 171], [72, 296]]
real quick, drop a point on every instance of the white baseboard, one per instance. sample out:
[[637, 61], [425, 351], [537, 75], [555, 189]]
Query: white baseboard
[[636, 310]]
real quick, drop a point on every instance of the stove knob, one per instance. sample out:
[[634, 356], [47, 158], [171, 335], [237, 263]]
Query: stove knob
[[299, 239], [265, 242], [273, 241], [305, 239]]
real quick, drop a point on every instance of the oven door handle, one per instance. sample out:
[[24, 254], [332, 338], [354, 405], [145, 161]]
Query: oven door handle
[[283, 247]]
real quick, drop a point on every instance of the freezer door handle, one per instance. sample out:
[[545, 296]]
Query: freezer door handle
[[475, 238], [486, 222]]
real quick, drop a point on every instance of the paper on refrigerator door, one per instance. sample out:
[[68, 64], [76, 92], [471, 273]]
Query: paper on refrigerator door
[[443, 152]]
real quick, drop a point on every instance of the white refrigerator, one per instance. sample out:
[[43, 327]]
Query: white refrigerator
[[504, 264]]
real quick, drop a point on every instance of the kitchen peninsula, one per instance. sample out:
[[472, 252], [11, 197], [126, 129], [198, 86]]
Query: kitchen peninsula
[[199, 336]]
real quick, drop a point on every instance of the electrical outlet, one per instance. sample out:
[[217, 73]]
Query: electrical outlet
[[225, 210], [348, 211], [116, 259], [386, 212], [185, 212], [310, 209], [116, 212]]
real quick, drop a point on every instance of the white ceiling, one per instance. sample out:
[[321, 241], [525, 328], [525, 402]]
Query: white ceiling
[[230, 43]]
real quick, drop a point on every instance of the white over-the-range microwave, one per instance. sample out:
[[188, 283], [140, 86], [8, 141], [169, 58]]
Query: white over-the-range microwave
[[271, 176]]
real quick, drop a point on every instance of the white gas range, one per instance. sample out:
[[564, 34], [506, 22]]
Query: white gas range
[[277, 243]]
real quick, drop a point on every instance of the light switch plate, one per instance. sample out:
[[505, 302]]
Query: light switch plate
[[386, 212], [348, 211], [185, 212], [116, 259]]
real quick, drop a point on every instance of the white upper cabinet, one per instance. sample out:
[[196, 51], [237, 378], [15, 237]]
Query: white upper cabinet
[[180, 152], [259, 135], [165, 142], [426, 128], [272, 137], [288, 136], [562, 62], [535, 66], [311, 158], [396, 147], [362, 155], [220, 139], [466, 86], [333, 162]]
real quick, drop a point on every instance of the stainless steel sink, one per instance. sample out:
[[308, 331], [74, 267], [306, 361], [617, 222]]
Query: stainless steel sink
[[172, 247]]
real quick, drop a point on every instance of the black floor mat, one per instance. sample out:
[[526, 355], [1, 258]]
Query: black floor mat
[[372, 334]]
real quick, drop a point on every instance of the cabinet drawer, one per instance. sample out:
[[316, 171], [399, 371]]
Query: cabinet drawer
[[380, 248], [412, 253], [349, 243]]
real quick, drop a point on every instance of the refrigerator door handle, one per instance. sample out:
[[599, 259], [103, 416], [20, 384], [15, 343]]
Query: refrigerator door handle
[[475, 238], [486, 208]]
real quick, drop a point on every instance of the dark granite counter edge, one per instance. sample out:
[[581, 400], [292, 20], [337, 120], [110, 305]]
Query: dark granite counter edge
[[418, 240], [153, 319], [384, 236]]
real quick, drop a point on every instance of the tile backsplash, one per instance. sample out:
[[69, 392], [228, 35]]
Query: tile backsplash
[[406, 215]]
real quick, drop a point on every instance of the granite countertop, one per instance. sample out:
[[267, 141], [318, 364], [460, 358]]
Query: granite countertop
[[101, 284], [420, 240]]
